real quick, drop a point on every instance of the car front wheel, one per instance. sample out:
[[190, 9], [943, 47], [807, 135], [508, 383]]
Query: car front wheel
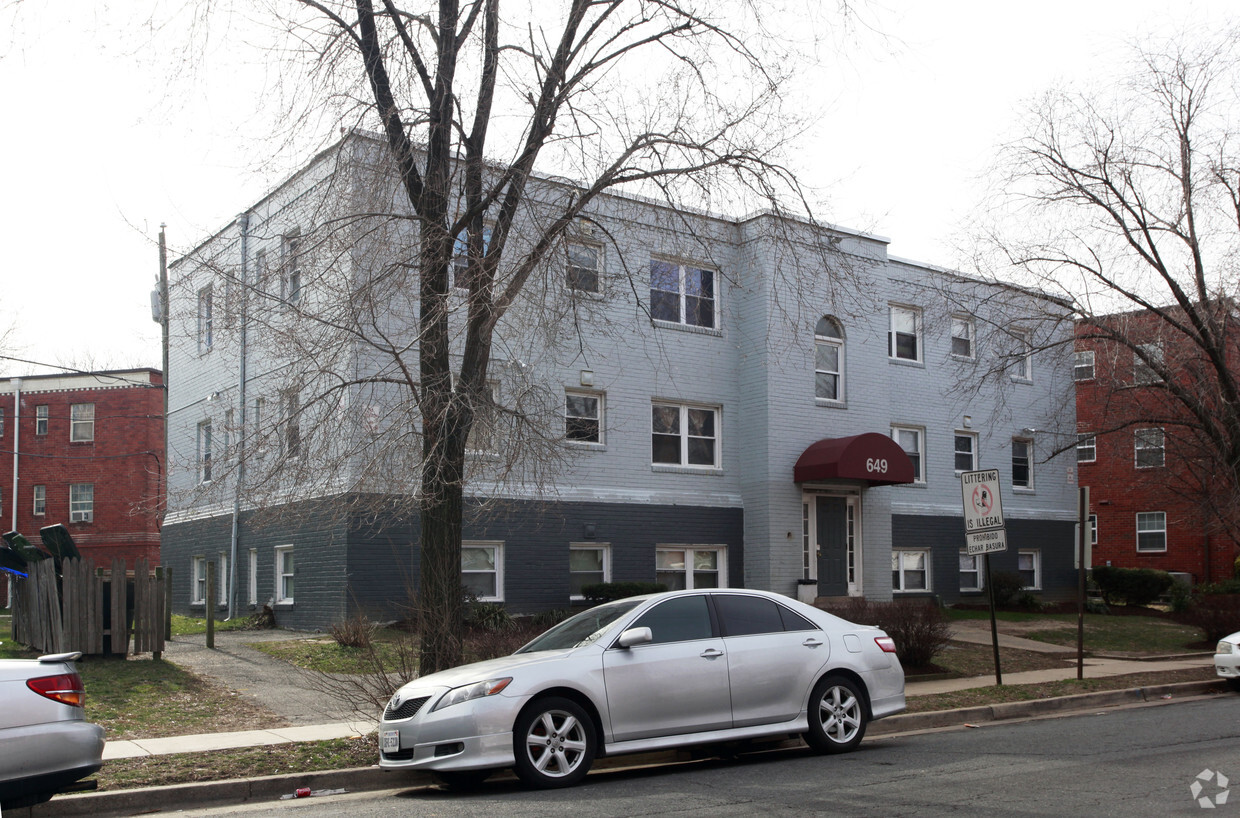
[[837, 716], [554, 743]]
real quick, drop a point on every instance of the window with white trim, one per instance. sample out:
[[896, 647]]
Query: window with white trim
[[963, 334], [910, 570], [583, 417], [1145, 369], [970, 571], [1149, 448], [681, 294], [581, 273], [682, 567], [588, 563], [1022, 463], [966, 451], [904, 333], [1151, 531], [290, 275], [198, 570], [460, 256], [206, 321], [81, 422], [221, 581], [912, 440], [81, 502], [1086, 448], [40, 501], [204, 451], [1093, 529], [1, 423], [252, 585], [1083, 365], [829, 360], [683, 435], [290, 437], [284, 574], [40, 419], [482, 570], [1029, 566], [1022, 355]]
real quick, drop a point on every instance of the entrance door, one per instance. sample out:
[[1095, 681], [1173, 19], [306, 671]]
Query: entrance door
[[832, 526]]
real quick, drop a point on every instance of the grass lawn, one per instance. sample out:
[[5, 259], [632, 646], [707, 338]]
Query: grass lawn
[[1106, 633], [187, 625]]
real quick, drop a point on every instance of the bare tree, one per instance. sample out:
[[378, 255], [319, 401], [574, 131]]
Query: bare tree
[[1128, 201], [499, 142]]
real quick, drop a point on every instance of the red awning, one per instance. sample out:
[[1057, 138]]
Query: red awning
[[872, 457]]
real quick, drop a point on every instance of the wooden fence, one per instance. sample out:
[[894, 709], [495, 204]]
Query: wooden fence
[[59, 615]]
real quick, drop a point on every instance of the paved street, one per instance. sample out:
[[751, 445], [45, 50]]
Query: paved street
[[1120, 762]]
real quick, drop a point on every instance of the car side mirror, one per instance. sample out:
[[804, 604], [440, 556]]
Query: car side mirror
[[634, 636]]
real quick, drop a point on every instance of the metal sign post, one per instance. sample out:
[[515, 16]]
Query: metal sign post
[[1085, 536], [985, 534]]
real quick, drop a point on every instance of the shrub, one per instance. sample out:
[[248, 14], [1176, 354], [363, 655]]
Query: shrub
[[1227, 586], [1006, 585], [353, 633], [919, 628], [1216, 614], [1028, 602], [1180, 596], [1132, 586], [488, 616], [607, 591]]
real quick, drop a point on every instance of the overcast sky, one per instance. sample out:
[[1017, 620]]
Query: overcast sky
[[112, 129]]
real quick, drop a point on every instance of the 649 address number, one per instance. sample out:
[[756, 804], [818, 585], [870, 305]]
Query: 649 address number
[[876, 464]]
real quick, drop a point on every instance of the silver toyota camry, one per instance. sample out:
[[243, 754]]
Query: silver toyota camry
[[647, 673]]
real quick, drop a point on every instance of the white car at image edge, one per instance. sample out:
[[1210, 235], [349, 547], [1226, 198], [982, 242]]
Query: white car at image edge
[[1227, 659], [647, 673]]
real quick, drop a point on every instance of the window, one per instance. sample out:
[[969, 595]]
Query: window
[[677, 620], [684, 435], [284, 574], [681, 294], [81, 422], [460, 257], [904, 334], [1151, 531], [206, 321], [40, 501], [1086, 449], [204, 452], [828, 360], [1, 423], [966, 451], [81, 502], [583, 267], [911, 441], [290, 280], [1022, 463], [1093, 529], [962, 336], [260, 270], [290, 439], [221, 579], [198, 570], [1029, 566], [1022, 355], [482, 570], [681, 567], [582, 417], [1149, 448], [588, 563], [1083, 365], [909, 570], [40, 420], [1144, 369], [253, 583], [970, 571]]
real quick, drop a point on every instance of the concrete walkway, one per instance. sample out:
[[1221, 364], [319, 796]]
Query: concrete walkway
[[270, 682]]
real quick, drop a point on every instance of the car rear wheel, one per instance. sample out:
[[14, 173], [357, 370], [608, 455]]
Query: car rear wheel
[[554, 743], [837, 717]]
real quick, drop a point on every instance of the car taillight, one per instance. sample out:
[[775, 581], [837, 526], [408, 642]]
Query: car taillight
[[886, 643], [65, 688]]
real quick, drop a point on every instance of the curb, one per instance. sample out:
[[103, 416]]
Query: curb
[[360, 779]]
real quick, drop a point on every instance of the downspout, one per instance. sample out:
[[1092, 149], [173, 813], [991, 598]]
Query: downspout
[[243, 221]]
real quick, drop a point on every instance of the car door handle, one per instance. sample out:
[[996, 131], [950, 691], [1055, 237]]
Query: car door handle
[[711, 653], [812, 643]]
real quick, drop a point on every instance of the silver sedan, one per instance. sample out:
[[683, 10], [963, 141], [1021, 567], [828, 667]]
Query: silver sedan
[[647, 673]]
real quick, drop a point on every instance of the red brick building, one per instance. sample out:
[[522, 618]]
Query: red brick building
[[1154, 499], [86, 451]]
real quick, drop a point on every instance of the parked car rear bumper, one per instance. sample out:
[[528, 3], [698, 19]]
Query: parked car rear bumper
[[43, 759]]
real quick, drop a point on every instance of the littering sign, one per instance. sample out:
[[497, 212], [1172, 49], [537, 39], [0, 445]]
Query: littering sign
[[983, 512]]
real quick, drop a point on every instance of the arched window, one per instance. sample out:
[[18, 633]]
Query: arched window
[[829, 360]]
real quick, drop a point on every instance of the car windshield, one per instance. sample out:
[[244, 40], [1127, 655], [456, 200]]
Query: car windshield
[[581, 629]]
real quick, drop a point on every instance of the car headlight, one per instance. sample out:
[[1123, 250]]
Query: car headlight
[[477, 690], [1224, 647]]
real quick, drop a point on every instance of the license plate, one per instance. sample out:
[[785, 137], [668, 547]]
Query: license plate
[[391, 741]]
